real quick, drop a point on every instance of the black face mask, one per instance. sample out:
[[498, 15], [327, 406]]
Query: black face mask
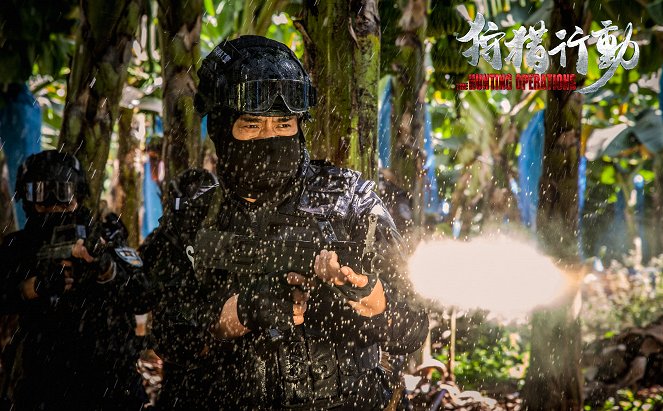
[[259, 168]]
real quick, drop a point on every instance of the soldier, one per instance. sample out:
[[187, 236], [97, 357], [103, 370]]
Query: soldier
[[291, 341], [169, 264], [76, 287]]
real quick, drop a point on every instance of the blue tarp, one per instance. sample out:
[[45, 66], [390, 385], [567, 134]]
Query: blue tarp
[[158, 126], [20, 136], [203, 128], [431, 195], [530, 163], [582, 187], [151, 202], [153, 209], [384, 128]]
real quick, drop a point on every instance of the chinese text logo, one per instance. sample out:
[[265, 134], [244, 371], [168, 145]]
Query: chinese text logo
[[529, 41]]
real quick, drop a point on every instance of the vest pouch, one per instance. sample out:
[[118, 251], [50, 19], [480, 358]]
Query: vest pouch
[[324, 369], [294, 372]]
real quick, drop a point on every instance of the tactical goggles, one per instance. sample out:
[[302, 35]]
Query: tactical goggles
[[258, 96], [50, 191]]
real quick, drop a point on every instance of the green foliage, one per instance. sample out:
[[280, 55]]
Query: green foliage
[[34, 37], [226, 18], [450, 65], [489, 356], [443, 18], [283, 30], [40, 32], [626, 295], [221, 18], [626, 400], [49, 93], [390, 13], [489, 367], [607, 179], [608, 175]]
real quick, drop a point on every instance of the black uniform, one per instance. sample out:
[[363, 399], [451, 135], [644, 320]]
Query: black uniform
[[75, 351], [188, 375], [331, 361]]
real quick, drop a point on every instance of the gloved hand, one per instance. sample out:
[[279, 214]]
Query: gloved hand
[[343, 280], [50, 280], [98, 269], [266, 303], [89, 267]]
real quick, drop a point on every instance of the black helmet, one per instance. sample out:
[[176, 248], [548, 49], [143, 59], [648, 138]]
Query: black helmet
[[189, 195], [255, 75], [50, 177]]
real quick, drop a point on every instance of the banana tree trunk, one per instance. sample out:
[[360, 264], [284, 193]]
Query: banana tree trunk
[[408, 116], [257, 17], [264, 19], [98, 73], [342, 49], [180, 22], [128, 188], [553, 381]]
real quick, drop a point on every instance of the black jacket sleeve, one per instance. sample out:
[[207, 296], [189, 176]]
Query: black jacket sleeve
[[185, 303], [14, 269], [131, 286], [403, 327]]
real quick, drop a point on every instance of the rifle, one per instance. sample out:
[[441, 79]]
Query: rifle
[[246, 255], [65, 237]]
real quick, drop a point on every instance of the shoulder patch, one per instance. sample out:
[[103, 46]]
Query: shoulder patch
[[329, 191], [129, 256]]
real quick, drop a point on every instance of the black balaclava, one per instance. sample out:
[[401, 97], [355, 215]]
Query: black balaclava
[[260, 168], [262, 77], [257, 167], [42, 225]]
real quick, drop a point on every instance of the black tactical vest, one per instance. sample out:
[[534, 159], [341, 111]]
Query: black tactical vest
[[316, 366]]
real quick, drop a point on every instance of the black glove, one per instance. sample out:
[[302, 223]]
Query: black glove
[[354, 293], [50, 279], [96, 268], [266, 303]]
